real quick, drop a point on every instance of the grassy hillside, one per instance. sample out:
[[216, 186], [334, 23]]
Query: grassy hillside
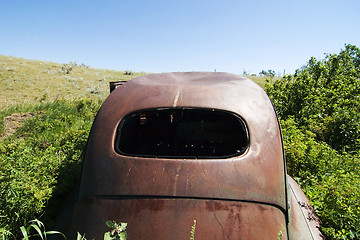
[[24, 81]]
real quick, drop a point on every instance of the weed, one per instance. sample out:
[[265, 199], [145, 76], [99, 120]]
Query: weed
[[281, 233], [39, 227], [118, 231], [68, 67], [192, 233]]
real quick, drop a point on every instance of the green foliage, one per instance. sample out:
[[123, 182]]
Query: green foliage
[[320, 121], [36, 228], [41, 162], [329, 179], [324, 97], [80, 237], [39, 228], [280, 234], [118, 231]]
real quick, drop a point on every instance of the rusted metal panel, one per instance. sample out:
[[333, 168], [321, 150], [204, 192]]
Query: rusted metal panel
[[173, 218], [239, 197], [114, 85], [304, 224]]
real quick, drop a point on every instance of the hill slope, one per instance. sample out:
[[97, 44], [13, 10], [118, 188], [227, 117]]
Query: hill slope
[[30, 81], [25, 81]]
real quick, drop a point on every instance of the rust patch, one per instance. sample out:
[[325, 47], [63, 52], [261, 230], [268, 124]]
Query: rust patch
[[216, 206], [311, 216], [149, 204]]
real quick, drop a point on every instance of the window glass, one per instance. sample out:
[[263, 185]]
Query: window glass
[[182, 133]]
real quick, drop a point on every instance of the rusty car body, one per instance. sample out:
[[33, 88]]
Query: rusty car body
[[167, 149]]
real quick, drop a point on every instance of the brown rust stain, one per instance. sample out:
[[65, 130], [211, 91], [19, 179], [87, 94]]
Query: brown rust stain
[[256, 176], [216, 206], [148, 204]]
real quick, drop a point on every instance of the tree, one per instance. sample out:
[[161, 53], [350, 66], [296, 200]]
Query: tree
[[269, 73]]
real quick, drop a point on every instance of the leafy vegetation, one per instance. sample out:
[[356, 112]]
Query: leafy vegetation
[[36, 229], [118, 231], [319, 107], [41, 161], [39, 228]]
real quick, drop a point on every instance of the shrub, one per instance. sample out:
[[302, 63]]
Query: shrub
[[128, 72], [68, 67], [41, 162], [320, 120], [329, 179], [323, 97]]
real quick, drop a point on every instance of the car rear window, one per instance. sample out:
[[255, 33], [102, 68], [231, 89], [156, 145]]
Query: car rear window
[[182, 133]]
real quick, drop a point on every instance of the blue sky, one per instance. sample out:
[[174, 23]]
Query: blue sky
[[182, 35]]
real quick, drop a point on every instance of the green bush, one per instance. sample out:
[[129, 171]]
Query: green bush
[[41, 161], [329, 179], [319, 108], [324, 97]]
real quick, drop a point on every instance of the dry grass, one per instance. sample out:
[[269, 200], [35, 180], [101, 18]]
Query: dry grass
[[24, 81], [13, 122], [260, 80]]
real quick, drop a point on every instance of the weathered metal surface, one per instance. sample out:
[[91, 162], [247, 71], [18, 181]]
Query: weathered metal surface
[[173, 218], [160, 197], [257, 175], [114, 85], [303, 224]]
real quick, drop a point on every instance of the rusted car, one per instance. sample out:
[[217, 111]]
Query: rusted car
[[167, 149]]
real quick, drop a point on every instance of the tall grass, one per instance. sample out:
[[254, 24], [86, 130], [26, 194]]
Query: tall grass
[[40, 162]]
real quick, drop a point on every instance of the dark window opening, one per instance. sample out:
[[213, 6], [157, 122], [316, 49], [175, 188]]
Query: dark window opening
[[182, 133]]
